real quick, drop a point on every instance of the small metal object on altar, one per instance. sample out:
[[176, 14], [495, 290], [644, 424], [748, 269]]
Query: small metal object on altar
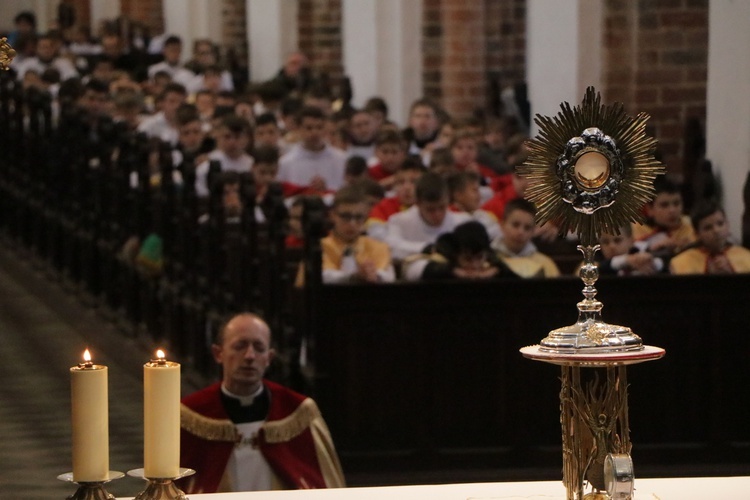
[[591, 170], [91, 490]]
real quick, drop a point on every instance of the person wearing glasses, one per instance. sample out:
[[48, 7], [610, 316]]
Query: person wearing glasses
[[348, 255]]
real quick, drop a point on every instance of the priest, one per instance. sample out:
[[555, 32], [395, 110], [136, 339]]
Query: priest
[[247, 433]]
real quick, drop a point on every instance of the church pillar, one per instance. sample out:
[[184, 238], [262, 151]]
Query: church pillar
[[728, 106], [272, 34], [564, 52], [382, 52], [192, 20], [464, 65]]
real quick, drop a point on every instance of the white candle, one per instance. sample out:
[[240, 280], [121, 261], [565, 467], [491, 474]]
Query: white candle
[[90, 419], [161, 418]]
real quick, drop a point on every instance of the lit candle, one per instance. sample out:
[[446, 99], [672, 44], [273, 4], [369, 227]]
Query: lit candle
[[161, 418], [90, 416]]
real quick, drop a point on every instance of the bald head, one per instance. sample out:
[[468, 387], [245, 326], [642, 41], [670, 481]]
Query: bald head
[[242, 320], [243, 348]]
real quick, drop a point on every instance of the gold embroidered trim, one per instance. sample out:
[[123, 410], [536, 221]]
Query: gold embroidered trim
[[286, 429], [278, 431], [211, 429]]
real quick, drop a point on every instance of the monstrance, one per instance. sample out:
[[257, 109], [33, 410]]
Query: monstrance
[[6, 54], [591, 170]]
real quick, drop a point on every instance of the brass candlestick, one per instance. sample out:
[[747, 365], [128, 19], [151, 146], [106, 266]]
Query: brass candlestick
[[590, 171], [91, 490], [161, 488]]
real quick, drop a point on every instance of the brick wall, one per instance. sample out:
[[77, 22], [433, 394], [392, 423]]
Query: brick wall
[[234, 25], [472, 49], [656, 61], [464, 77], [506, 45], [432, 50], [319, 25], [82, 10], [148, 12]]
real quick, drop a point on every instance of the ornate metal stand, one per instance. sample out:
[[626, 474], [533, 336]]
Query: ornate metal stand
[[161, 488], [594, 405], [91, 490], [591, 171]]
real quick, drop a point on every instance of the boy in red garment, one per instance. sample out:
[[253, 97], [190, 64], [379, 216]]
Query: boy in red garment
[[405, 189], [390, 151], [246, 433], [465, 149]]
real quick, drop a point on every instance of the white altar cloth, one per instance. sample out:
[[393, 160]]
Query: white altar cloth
[[701, 488]]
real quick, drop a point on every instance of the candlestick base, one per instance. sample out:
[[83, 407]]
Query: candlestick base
[[91, 490], [161, 488]]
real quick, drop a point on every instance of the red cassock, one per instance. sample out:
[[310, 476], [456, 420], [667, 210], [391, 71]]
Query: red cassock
[[294, 440]]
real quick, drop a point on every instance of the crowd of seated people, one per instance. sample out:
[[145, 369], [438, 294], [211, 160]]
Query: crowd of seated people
[[431, 197]]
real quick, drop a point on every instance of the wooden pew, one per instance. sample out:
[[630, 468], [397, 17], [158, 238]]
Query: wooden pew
[[429, 375]]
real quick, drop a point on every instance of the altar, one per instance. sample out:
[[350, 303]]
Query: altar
[[694, 488]]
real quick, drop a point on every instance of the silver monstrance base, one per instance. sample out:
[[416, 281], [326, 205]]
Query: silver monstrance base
[[590, 333]]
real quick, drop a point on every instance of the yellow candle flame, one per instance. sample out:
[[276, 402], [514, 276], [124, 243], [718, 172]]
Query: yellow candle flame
[[86, 356], [160, 354]]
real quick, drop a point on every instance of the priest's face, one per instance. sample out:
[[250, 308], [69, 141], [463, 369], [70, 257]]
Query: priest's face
[[244, 353]]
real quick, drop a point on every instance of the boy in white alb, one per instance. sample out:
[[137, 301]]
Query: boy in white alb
[[410, 231], [232, 138], [312, 163], [172, 52], [467, 198], [163, 125]]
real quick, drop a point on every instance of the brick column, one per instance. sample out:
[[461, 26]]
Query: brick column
[[319, 25], [464, 75], [506, 41], [656, 59], [148, 12], [234, 25]]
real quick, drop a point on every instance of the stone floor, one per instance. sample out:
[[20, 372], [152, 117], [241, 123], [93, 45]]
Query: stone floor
[[44, 329]]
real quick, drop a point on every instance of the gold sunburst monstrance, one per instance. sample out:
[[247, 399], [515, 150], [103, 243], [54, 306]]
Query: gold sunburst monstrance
[[586, 158], [6, 53]]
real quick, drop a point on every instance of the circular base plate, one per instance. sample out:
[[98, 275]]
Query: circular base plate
[[648, 353], [140, 474], [111, 476]]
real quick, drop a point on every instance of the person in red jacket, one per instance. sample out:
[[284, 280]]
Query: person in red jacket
[[247, 433]]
